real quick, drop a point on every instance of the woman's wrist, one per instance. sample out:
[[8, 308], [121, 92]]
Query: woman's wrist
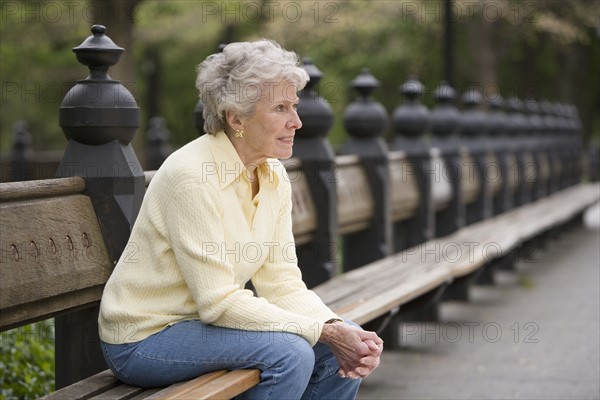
[[330, 331]]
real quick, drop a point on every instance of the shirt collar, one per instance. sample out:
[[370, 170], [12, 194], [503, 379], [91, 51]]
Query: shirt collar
[[230, 167]]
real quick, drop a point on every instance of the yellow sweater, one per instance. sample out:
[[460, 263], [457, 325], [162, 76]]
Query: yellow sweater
[[198, 239]]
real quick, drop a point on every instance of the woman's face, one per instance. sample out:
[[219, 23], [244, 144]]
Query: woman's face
[[269, 132]]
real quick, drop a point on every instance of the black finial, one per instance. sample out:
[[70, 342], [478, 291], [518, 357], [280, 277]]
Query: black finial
[[412, 88], [444, 93], [365, 83], [365, 117], [112, 113]]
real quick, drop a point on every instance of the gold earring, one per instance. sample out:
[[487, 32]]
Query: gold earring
[[239, 133]]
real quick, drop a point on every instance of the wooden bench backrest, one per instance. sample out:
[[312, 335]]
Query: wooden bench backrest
[[441, 188], [53, 255], [513, 178], [545, 169], [530, 173], [494, 175], [355, 201], [304, 213], [556, 165], [405, 194], [470, 184]]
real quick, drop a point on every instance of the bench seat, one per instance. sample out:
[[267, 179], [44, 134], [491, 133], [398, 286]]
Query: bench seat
[[371, 291], [495, 237], [215, 385]]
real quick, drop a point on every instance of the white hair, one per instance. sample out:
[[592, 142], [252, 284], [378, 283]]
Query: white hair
[[235, 79]]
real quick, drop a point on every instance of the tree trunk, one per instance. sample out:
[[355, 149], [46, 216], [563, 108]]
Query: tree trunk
[[573, 85], [483, 55], [119, 19]]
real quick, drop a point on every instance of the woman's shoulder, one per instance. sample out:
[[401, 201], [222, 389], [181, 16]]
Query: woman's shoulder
[[190, 164]]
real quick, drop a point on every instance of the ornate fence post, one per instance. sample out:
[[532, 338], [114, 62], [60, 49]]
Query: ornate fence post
[[498, 131], [318, 259], [444, 127], [552, 146], [158, 143], [20, 152], [533, 143], [574, 139], [411, 121], [498, 128], [365, 121], [592, 163], [563, 127], [99, 117], [524, 165], [473, 128]]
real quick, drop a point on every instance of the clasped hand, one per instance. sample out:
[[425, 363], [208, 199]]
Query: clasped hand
[[357, 351]]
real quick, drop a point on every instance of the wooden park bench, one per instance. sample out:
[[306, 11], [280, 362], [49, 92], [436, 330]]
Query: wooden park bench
[[54, 261], [61, 237]]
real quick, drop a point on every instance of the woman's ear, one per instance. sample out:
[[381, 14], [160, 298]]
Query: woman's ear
[[234, 120]]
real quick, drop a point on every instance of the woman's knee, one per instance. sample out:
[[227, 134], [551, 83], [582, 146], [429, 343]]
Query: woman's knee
[[294, 351], [288, 365]]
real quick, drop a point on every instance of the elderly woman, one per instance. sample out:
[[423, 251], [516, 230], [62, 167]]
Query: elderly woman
[[217, 215]]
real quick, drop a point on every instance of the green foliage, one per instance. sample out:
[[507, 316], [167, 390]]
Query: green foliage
[[340, 37], [37, 69], [27, 361], [550, 46]]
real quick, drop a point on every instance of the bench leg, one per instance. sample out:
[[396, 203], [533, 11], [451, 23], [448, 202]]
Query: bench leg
[[423, 308], [507, 263], [486, 274], [386, 327], [459, 288], [380, 324], [77, 344]]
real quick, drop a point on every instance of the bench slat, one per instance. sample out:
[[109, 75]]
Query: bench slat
[[493, 174], [545, 169], [180, 390], [121, 392], [47, 308], [53, 257], [341, 286], [512, 177], [304, 214], [83, 390], [470, 184], [405, 194], [378, 305], [221, 384], [441, 189], [147, 394], [365, 295], [355, 203], [530, 174], [37, 189], [227, 386]]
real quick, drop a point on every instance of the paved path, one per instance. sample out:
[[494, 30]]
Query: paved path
[[534, 335]]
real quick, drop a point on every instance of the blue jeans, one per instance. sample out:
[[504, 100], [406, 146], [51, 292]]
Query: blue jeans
[[290, 367]]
